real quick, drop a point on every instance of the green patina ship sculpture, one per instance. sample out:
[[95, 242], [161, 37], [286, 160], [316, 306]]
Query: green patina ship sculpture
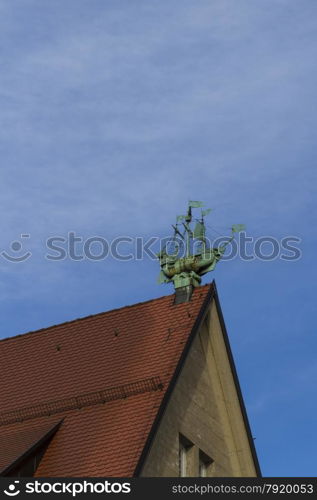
[[185, 268]]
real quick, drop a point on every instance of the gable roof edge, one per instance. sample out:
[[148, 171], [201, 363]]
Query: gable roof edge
[[198, 322], [18, 460], [211, 295]]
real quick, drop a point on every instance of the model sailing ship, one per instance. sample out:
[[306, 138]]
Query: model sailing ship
[[187, 256]]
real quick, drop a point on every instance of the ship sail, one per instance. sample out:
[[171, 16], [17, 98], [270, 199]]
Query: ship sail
[[199, 231]]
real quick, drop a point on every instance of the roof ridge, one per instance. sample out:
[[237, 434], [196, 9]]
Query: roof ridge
[[30, 332]]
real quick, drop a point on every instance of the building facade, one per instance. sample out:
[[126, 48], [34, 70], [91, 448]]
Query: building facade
[[147, 390]]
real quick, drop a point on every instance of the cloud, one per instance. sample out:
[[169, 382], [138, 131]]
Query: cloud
[[113, 117], [114, 114]]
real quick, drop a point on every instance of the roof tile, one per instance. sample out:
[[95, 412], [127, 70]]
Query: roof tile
[[91, 354]]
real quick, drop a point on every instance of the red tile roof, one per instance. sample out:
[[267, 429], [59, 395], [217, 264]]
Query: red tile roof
[[74, 364], [15, 441]]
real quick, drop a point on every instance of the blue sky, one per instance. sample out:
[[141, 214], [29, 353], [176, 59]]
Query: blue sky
[[115, 113]]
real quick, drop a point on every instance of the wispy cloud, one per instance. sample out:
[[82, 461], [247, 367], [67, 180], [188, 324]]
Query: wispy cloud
[[116, 119], [114, 114]]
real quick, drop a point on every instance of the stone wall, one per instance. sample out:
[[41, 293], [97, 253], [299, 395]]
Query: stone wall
[[204, 407]]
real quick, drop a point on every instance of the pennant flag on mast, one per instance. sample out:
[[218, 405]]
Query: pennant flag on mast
[[206, 212], [195, 204], [237, 228], [180, 217]]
